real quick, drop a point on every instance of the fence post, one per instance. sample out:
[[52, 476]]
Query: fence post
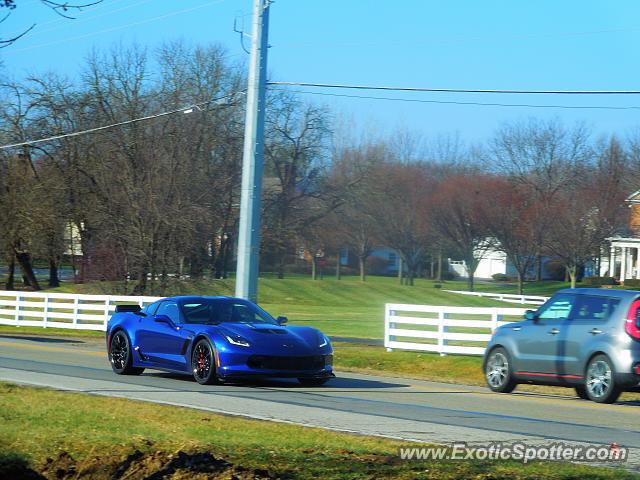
[[442, 329], [45, 310], [494, 320], [76, 302], [107, 305], [388, 326], [18, 300]]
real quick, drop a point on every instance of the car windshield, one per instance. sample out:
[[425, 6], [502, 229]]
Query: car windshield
[[214, 311]]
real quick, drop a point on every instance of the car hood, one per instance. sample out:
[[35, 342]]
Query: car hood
[[292, 340]]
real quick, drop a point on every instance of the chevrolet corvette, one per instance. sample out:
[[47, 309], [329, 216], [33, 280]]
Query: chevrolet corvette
[[215, 339]]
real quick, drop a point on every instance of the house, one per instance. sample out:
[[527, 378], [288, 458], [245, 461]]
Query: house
[[623, 261]]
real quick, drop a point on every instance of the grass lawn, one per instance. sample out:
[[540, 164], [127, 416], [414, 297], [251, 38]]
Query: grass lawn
[[90, 437], [347, 307]]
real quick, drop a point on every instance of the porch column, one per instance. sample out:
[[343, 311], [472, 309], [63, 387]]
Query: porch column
[[637, 263], [623, 264], [612, 262]]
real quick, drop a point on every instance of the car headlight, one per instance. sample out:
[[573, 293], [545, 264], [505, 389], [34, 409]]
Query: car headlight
[[322, 340], [235, 339]]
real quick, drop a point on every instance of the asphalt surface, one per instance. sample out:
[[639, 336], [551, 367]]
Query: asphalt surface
[[374, 405]]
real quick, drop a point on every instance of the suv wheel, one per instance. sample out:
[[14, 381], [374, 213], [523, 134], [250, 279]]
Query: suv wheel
[[498, 373], [600, 381]]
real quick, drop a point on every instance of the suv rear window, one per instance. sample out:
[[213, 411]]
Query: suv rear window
[[594, 307]]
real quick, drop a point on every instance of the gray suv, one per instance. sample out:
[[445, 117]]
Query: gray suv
[[586, 338]]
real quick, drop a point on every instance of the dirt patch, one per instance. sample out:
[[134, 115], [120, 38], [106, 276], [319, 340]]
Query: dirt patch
[[179, 465]]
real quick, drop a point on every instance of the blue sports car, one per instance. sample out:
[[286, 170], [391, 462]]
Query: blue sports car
[[215, 339]]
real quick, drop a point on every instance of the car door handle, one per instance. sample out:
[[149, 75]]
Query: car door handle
[[595, 331], [553, 331], [516, 329]]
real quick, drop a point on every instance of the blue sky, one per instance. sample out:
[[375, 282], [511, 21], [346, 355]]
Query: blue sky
[[513, 44]]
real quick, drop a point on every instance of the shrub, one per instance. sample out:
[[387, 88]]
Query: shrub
[[377, 265], [632, 283], [555, 270], [599, 281], [448, 275], [500, 277]]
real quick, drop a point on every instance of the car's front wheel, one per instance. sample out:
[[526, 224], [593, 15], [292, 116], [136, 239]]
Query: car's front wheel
[[121, 355], [498, 372], [600, 382], [203, 363], [312, 382]]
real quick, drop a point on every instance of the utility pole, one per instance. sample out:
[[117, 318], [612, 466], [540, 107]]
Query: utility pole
[[252, 160]]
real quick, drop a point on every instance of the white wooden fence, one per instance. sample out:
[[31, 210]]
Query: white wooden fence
[[62, 310], [506, 297], [443, 329]]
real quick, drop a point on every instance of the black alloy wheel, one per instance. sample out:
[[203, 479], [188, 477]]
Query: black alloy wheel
[[121, 355], [203, 363]]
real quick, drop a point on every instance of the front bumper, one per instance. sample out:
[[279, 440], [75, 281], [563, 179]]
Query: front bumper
[[292, 366]]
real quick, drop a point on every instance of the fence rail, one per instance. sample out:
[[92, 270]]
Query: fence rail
[[443, 329], [505, 297], [62, 310]]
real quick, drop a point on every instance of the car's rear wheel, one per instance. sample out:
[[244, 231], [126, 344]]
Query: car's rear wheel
[[203, 364], [600, 383], [313, 382], [498, 371], [121, 355]]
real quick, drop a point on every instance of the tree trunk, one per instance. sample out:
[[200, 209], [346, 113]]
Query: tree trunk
[[361, 262], [54, 279], [431, 268], [538, 268], [439, 277], [470, 282], [573, 274], [11, 274], [314, 268], [567, 274], [338, 271], [520, 283], [24, 260], [400, 269], [281, 266]]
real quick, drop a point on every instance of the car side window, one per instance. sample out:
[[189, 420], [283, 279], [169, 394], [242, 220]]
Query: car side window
[[151, 309], [593, 307], [171, 310], [558, 308]]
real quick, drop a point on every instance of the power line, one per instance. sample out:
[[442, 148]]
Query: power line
[[187, 109], [458, 90], [113, 29], [483, 104]]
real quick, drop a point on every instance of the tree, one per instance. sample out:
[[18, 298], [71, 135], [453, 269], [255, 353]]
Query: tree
[[509, 214], [542, 156], [586, 214], [61, 8], [403, 211], [295, 160], [459, 220]]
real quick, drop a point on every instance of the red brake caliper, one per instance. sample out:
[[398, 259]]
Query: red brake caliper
[[201, 361]]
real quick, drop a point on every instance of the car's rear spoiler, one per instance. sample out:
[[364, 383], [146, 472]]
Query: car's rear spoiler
[[129, 308]]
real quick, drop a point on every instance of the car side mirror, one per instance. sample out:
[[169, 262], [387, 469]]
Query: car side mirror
[[164, 319], [531, 315], [282, 320]]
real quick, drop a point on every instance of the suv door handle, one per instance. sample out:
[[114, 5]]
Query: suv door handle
[[595, 331], [553, 331]]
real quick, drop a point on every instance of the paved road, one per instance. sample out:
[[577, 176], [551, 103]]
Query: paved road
[[394, 407]]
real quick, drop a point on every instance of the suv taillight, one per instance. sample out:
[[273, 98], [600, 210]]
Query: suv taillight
[[632, 325]]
